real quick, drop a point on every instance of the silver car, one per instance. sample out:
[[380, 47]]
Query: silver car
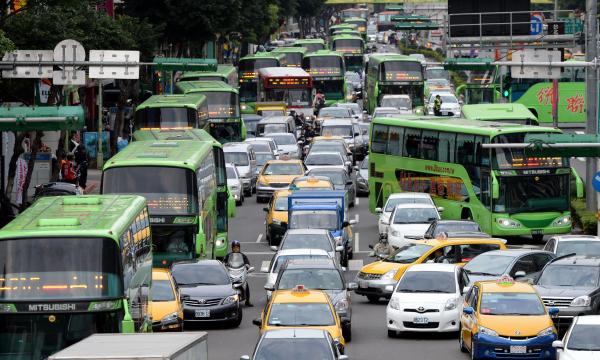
[[286, 143], [340, 179], [235, 183]]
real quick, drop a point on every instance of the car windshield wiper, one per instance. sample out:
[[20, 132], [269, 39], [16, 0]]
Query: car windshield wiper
[[480, 273], [195, 283]]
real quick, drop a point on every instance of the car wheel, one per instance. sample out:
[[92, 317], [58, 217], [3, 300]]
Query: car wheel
[[239, 202], [461, 341], [373, 298], [347, 332], [268, 236], [238, 320], [254, 189]]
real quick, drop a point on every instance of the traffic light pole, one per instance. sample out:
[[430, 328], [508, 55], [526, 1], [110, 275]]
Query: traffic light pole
[[591, 82]]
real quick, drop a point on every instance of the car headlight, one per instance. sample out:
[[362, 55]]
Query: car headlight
[[395, 233], [244, 107], [230, 299], [562, 221], [451, 304], [394, 303], [581, 301], [171, 317], [547, 331], [508, 223], [486, 331], [262, 183], [389, 275], [341, 306], [276, 222]]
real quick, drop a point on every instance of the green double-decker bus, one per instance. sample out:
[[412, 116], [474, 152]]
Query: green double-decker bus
[[224, 122], [361, 25], [293, 54], [310, 44], [352, 48], [172, 112], [225, 73], [335, 28], [393, 74], [248, 76], [73, 266], [507, 192], [180, 180], [327, 70]]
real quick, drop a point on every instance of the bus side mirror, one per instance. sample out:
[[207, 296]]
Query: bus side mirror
[[578, 184]]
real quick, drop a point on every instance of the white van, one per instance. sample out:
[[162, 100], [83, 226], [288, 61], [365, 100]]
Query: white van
[[242, 155]]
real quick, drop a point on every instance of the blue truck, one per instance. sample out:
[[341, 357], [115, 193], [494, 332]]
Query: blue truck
[[320, 209]]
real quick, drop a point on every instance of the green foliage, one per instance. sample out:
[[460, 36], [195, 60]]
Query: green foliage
[[5, 44], [584, 218]]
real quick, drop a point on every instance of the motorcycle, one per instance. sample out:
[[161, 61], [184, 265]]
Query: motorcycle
[[379, 254], [238, 273]]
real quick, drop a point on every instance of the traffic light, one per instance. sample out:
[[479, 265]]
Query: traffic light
[[506, 87], [506, 93]]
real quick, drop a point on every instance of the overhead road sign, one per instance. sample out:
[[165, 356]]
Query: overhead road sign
[[468, 64], [416, 26], [184, 64], [69, 52], [44, 118], [114, 72], [28, 72], [521, 70]]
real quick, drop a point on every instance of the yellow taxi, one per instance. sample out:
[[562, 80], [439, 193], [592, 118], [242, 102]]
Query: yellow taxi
[[303, 308], [506, 319], [277, 217], [165, 307], [276, 175], [312, 183], [374, 279]]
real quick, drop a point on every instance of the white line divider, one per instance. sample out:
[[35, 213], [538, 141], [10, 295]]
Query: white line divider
[[356, 217], [259, 238], [357, 201], [356, 242]]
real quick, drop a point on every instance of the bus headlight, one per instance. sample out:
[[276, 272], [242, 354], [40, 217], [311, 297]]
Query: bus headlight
[[562, 221], [508, 223], [219, 242], [244, 107]]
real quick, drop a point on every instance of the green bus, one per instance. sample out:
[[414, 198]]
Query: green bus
[[171, 112], [311, 44], [225, 73], [393, 74], [180, 181], [355, 13], [507, 112], [224, 122], [507, 192], [480, 80], [248, 76], [361, 26], [327, 70], [352, 48], [339, 27], [73, 266], [346, 32], [293, 54]]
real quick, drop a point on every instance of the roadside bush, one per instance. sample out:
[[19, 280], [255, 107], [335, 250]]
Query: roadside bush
[[584, 218]]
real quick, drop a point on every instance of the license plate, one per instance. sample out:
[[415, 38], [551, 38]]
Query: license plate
[[518, 349], [421, 320], [537, 232], [202, 313], [363, 284]]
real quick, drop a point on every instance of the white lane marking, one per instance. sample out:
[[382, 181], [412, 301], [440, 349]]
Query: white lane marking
[[259, 238], [265, 265], [357, 201], [258, 275], [356, 217], [357, 241], [355, 265]]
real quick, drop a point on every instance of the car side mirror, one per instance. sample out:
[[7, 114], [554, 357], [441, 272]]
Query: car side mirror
[[339, 248], [257, 322], [237, 285], [355, 168], [266, 209], [251, 269], [299, 142], [347, 163], [349, 182], [270, 287], [558, 344], [356, 134], [520, 274], [468, 310], [440, 209], [345, 224], [352, 286], [378, 210], [273, 248]]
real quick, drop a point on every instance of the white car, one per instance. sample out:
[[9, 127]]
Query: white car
[[357, 113], [272, 269], [582, 340], [260, 148], [316, 160], [386, 112], [400, 102], [235, 183], [286, 143], [395, 199], [410, 221], [311, 239], [427, 298], [450, 105], [579, 244]]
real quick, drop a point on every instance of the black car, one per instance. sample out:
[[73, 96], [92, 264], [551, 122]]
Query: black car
[[518, 263], [450, 226], [340, 179], [56, 189], [207, 293], [296, 344]]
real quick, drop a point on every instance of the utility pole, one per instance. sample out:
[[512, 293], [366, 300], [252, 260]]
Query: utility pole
[[591, 86]]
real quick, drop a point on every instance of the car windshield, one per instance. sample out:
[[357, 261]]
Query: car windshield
[[336, 177], [462, 226], [427, 282], [337, 130], [499, 303], [273, 128], [488, 264], [579, 247], [283, 139], [294, 349], [392, 202], [192, 275], [398, 103], [584, 338], [262, 158], [335, 112], [570, 275], [306, 241], [314, 219], [323, 159], [231, 174], [237, 158], [328, 146], [415, 216], [282, 169], [446, 99], [437, 73], [319, 279], [283, 258], [162, 291], [281, 204], [386, 113], [301, 314], [261, 146], [408, 253]]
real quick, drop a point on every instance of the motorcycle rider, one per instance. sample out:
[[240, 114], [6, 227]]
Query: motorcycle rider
[[383, 247], [236, 248]]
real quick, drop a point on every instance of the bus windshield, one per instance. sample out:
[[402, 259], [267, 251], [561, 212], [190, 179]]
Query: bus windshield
[[65, 268], [533, 193], [293, 58], [204, 78], [347, 44], [401, 71], [313, 47], [323, 66], [222, 104], [332, 89], [248, 91], [227, 131], [353, 61], [255, 64], [165, 117], [171, 191], [517, 159]]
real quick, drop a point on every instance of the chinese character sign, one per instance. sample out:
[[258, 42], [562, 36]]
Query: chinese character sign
[[576, 103]]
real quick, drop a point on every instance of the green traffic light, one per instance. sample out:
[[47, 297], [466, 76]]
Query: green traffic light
[[505, 93]]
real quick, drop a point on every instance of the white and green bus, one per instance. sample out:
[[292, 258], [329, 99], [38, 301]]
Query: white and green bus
[[506, 191]]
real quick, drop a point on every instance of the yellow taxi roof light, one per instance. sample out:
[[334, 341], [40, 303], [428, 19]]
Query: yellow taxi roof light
[[505, 280], [299, 289]]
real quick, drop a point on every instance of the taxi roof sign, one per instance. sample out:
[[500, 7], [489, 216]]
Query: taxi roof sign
[[299, 289], [505, 280]]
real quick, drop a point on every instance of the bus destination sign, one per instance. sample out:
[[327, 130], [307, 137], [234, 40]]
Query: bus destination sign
[[288, 82]]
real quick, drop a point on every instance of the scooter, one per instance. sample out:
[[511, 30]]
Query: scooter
[[377, 254], [238, 273]]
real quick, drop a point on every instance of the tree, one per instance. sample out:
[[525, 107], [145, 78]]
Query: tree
[[5, 44], [307, 11]]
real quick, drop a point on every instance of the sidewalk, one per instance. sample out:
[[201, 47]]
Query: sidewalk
[[93, 182]]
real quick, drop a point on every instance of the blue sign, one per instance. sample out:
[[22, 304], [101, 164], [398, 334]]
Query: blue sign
[[596, 181], [536, 25]]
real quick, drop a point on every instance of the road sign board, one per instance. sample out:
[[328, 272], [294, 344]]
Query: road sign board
[[69, 50], [537, 24], [596, 181], [520, 69], [68, 77], [114, 72], [29, 71]]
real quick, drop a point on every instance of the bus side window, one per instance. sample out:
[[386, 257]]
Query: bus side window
[[412, 143], [380, 139], [394, 146], [430, 145], [446, 147]]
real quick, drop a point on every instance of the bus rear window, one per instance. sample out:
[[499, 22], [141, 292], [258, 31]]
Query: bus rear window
[[222, 104], [401, 71], [171, 191], [64, 268], [341, 44], [165, 118], [255, 64], [323, 66]]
